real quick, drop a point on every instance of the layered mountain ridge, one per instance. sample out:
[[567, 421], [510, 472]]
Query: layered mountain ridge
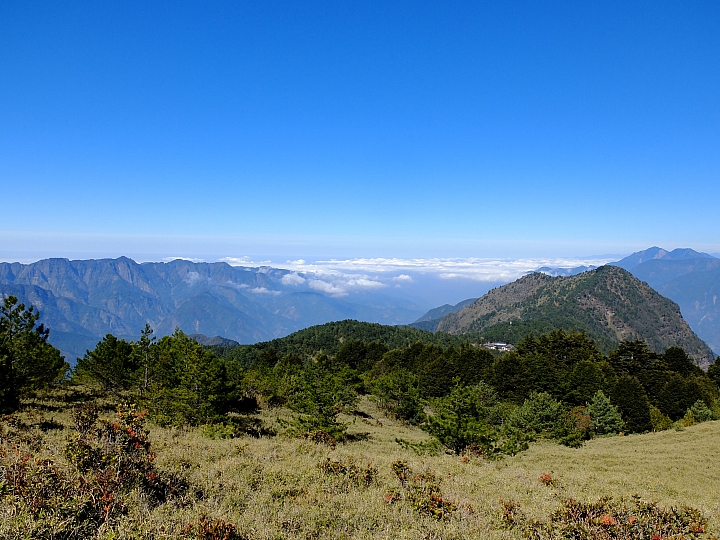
[[82, 300]]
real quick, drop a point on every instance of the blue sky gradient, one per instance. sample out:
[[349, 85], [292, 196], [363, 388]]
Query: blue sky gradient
[[367, 129]]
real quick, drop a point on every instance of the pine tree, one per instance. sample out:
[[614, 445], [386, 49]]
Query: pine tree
[[606, 418], [110, 364], [584, 381], [677, 396], [459, 419], [631, 400], [677, 360], [27, 360]]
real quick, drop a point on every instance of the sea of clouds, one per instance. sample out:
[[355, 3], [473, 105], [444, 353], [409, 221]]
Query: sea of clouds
[[433, 279]]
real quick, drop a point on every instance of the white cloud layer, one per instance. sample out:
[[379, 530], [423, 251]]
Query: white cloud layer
[[327, 288], [340, 277], [292, 279], [264, 290], [191, 259], [490, 270]]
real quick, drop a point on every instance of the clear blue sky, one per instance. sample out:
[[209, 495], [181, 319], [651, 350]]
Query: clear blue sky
[[423, 129]]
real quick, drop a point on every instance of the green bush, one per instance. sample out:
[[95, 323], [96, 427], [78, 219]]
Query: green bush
[[688, 420], [701, 412], [398, 394], [540, 415], [660, 422], [321, 395], [458, 419], [715, 408]]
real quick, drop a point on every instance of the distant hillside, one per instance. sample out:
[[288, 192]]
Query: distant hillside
[[329, 337], [608, 303], [81, 301], [219, 341], [688, 277], [431, 319]]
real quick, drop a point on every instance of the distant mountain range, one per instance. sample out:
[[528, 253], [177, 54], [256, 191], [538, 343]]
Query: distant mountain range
[[609, 303], [82, 300], [218, 341], [565, 271]]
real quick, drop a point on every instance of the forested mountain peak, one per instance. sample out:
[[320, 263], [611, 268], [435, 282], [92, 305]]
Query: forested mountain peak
[[608, 303]]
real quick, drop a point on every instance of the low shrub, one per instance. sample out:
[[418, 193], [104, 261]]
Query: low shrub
[[688, 420], [546, 479], [660, 422], [212, 529], [422, 491], [426, 448], [362, 476], [608, 519], [231, 427]]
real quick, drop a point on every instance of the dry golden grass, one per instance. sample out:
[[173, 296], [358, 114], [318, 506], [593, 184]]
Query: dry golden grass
[[273, 488]]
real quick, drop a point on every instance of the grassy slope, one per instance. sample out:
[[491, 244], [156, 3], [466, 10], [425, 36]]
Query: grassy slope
[[272, 488]]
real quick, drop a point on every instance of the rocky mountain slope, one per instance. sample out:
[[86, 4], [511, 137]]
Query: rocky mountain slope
[[609, 303], [690, 278]]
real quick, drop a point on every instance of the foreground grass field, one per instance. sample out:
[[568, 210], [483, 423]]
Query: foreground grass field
[[277, 487]]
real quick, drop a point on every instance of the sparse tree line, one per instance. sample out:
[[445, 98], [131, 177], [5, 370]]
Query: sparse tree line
[[557, 386]]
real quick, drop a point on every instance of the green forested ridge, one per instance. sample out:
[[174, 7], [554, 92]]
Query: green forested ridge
[[608, 303], [328, 338], [543, 389], [321, 370]]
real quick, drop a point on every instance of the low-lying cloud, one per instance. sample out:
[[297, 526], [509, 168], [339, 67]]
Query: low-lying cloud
[[477, 269], [264, 290], [293, 279], [327, 288]]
